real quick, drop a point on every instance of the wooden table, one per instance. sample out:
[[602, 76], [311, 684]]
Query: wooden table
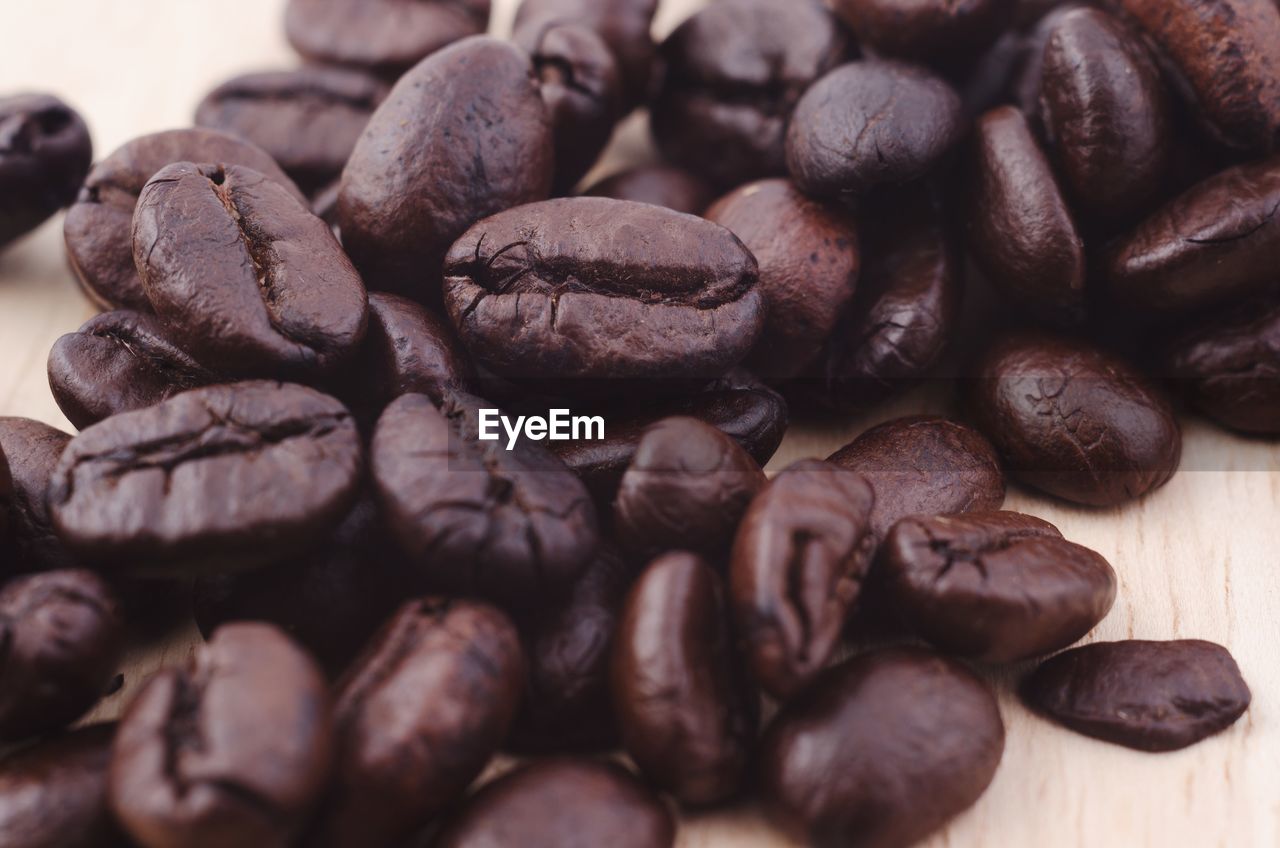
[[1198, 559]]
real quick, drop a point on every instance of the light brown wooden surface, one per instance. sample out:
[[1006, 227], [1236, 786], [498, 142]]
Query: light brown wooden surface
[[1201, 558]]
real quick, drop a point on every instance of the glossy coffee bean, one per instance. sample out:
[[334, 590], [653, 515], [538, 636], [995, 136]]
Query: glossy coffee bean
[[253, 283], [54, 794], [944, 33], [654, 295], [385, 36], [45, 151], [734, 72], [995, 586], [924, 465], [1153, 696], [61, 640], [687, 716], [98, 228], [686, 489], [882, 750], [308, 119], [472, 516], [417, 717], [463, 135], [809, 258], [231, 749], [31, 450], [118, 362], [219, 478], [869, 125], [1074, 421], [800, 557]]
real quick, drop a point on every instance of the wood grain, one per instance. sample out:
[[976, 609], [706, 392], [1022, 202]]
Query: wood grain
[[1198, 559]]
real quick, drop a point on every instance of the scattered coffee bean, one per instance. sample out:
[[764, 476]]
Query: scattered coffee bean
[[945, 33], [31, 450], [45, 151], [660, 185]]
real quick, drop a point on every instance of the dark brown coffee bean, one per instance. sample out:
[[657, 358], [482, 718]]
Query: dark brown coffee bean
[[473, 516], [8, 506], [923, 465], [231, 749], [31, 450], [1074, 421], [253, 283], [118, 362], [799, 560], [308, 119], [944, 33], [45, 151], [603, 291], [462, 136], [995, 586], [384, 36], [1153, 696], [734, 72], [219, 478], [98, 228], [882, 750], [417, 718], [870, 125], [594, 804], [661, 185], [61, 638], [809, 259]]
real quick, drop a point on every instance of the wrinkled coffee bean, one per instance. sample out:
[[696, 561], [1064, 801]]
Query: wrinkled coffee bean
[[945, 33], [98, 228], [118, 362], [995, 586], [592, 804], [734, 72], [31, 450], [401, 758], [660, 185], [686, 489], [687, 716], [462, 136], [809, 260], [1153, 696], [471, 515], [801, 554], [61, 638], [882, 750], [214, 479], [1074, 421], [45, 151]]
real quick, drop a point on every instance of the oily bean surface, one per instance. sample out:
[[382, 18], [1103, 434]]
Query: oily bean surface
[[31, 450], [45, 151], [660, 185], [945, 33]]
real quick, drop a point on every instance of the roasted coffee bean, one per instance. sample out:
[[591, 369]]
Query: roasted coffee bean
[[872, 125], [31, 450], [463, 135], [1226, 57], [734, 72], [54, 795], [308, 119], [1073, 420], [220, 478], [661, 185], [1021, 233], [799, 560], [686, 489], [1217, 242], [7, 507], [253, 283], [1153, 696], [562, 804], [472, 516], [945, 33], [924, 465], [417, 718], [809, 259], [61, 638], [1230, 367], [45, 151], [995, 586], [231, 749], [882, 750], [118, 362], [385, 36], [612, 293], [98, 228]]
